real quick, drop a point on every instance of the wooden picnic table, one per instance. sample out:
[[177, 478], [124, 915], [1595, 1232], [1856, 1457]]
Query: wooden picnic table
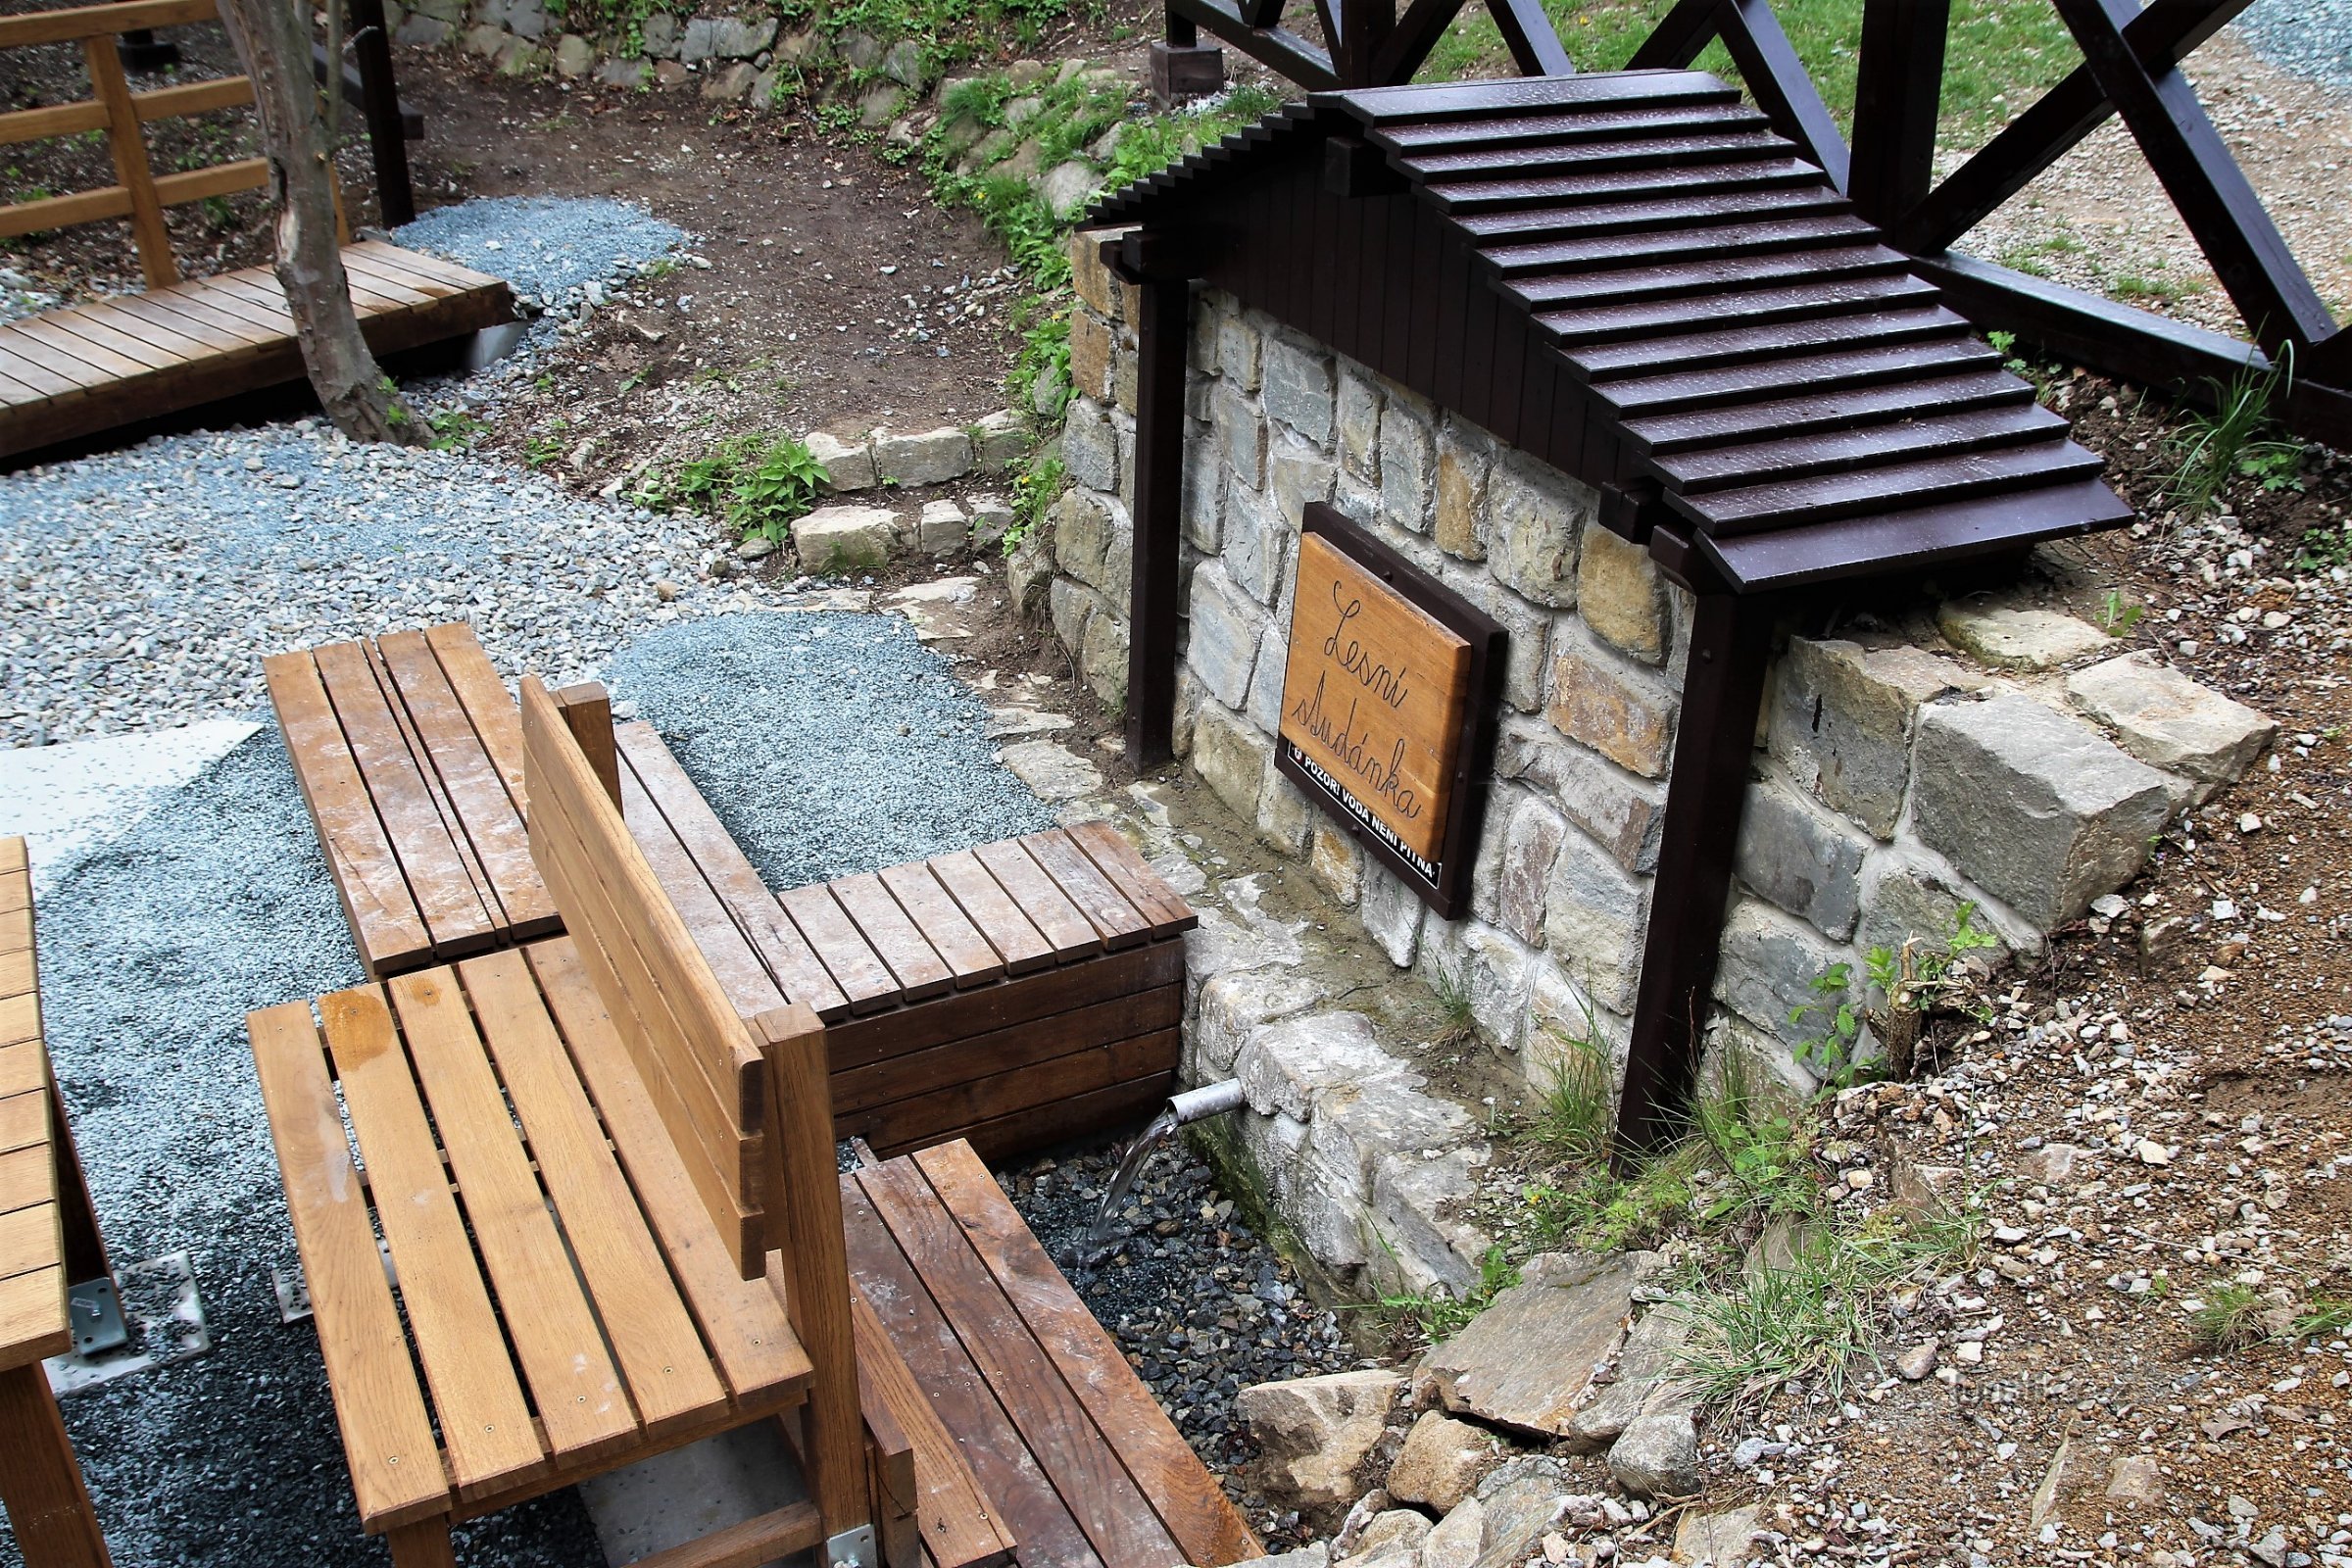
[[49, 1241]]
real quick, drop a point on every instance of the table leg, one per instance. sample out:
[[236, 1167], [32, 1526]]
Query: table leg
[[41, 1481]]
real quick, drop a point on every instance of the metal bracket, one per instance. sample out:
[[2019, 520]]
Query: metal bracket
[[96, 1313], [852, 1548]]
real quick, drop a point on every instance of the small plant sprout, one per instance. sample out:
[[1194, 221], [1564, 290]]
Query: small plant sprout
[[1923, 978], [2229, 1319], [2117, 616]]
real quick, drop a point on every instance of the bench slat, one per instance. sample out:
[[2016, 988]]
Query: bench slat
[[583, 1409], [856, 969], [30, 1238], [23, 1121], [384, 919], [1127, 870], [1059, 921], [945, 1112], [445, 812], [1119, 923], [1189, 1502], [669, 1378], [746, 980], [387, 1438], [28, 1175], [25, 1065], [980, 1056], [33, 1317], [894, 938], [957, 1522], [725, 1166], [489, 706], [484, 1420], [1086, 1471], [744, 1322], [476, 791], [20, 1020], [1009, 1473], [951, 935], [437, 875], [990, 907], [688, 816]]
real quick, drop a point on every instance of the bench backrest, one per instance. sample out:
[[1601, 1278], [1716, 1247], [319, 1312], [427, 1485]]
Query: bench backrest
[[706, 1069]]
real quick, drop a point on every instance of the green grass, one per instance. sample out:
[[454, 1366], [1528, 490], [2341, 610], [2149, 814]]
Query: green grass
[[2001, 54]]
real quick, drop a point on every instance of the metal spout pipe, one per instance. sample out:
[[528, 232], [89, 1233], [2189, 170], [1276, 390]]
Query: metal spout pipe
[[1209, 1100]]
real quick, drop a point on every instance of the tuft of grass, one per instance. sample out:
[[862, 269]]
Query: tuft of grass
[[2239, 439], [1458, 1018], [1812, 1319], [2328, 1314], [1575, 1115], [2229, 1319]]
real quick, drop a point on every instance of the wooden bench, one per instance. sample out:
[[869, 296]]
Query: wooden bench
[[628, 1173], [49, 1245], [181, 343], [583, 1144], [1014, 993]]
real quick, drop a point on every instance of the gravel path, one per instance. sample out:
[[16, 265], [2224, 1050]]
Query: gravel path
[[554, 251], [2310, 37]]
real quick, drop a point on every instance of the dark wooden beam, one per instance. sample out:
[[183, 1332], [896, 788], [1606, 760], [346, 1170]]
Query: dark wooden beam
[[1897, 95], [1715, 736], [1781, 86], [1279, 50], [2161, 36], [380, 102], [1163, 329], [1527, 32], [1409, 42], [1680, 35], [2207, 187]]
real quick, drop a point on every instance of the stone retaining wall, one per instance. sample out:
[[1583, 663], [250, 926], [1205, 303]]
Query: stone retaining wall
[[1993, 754]]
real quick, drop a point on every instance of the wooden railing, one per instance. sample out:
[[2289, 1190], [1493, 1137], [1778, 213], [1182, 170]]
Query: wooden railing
[[138, 192], [2132, 59]]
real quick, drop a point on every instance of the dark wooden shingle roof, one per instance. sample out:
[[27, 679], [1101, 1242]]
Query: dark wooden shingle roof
[[1632, 277]]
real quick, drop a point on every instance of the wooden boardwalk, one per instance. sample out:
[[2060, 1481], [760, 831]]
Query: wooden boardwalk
[[87, 369]]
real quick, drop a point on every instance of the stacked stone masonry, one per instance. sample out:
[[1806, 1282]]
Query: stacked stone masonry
[[2008, 763]]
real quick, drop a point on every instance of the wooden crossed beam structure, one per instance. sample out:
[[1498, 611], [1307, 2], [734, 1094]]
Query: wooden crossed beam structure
[[2132, 69]]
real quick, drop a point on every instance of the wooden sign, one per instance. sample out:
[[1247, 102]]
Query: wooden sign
[[1387, 712]]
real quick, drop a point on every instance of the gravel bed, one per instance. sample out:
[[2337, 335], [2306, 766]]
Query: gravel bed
[[828, 744], [554, 251], [2310, 37], [152, 950], [1201, 1303]]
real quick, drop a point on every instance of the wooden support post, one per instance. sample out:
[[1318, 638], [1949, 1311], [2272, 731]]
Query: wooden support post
[[1163, 327], [587, 711], [804, 1199], [1898, 95], [1723, 690], [40, 1482], [86, 1257], [128, 145], [380, 101], [1527, 32]]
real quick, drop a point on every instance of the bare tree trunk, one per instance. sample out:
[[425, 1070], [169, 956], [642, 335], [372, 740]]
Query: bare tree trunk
[[274, 38]]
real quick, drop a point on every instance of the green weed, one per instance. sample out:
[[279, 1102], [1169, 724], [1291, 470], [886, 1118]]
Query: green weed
[[758, 483], [1923, 977], [1439, 1314], [2237, 440], [1458, 1018], [2229, 1319], [2323, 549], [1575, 1114], [453, 428], [2117, 618], [1033, 492]]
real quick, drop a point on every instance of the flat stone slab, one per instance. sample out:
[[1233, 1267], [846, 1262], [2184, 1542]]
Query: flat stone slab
[[2168, 720], [943, 611], [72, 797], [1649, 1379], [2010, 638], [1053, 771], [844, 538], [1525, 1361]]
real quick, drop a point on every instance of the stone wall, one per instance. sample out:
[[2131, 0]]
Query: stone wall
[[1993, 754]]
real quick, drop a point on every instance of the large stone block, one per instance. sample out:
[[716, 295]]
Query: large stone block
[[1103, 659], [1297, 387], [1359, 422], [1092, 347], [1096, 288], [1357, 1125], [1530, 847], [1000, 442], [2033, 805], [1264, 706], [1232, 1006], [2008, 637], [1527, 632], [1523, 1363], [1441, 1461], [1464, 455], [1239, 348], [1535, 515], [1335, 860], [1225, 629], [726, 37], [1233, 757], [925, 457], [1296, 475], [1391, 913], [1090, 445], [1619, 594], [844, 538], [1806, 861], [1257, 545], [1409, 469], [1620, 709], [1069, 605], [1911, 893], [1767, 969], [849, 464], [2168, 720], [1204, 496], [1593, 920], [1094, 541], [1841, 719], [1285, 815], [1422, 1241], [1620, 810], [1312, 1433], [1286, 1067], [1241, 432]]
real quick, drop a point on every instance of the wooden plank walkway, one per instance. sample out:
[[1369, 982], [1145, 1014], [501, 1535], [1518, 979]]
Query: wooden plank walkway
[[87, 369], [1083, 1467]]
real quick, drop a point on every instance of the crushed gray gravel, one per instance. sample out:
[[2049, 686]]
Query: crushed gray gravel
[[2312, 38], [152, 950], [828, 744], [554, 251]]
